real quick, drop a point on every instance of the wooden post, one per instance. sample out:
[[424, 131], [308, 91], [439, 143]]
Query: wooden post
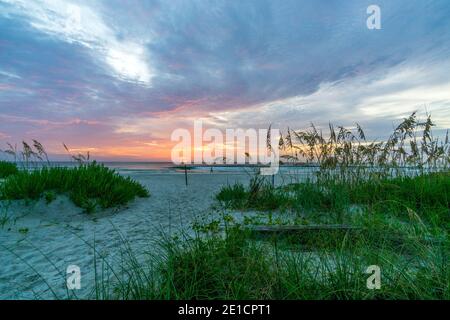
[[185, 174]]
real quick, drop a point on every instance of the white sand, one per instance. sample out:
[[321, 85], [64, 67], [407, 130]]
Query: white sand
[[39, 241]]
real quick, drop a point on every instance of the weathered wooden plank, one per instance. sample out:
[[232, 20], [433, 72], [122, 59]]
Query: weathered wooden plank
[[299, 228]]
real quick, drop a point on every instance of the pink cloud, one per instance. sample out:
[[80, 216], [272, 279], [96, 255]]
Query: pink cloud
[[47, 123], [4, 136]]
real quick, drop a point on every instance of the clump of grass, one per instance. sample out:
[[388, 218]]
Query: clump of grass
[[89, 186], [49, 197], [234, 266], [260, 195], [239, 269], [353, 170], [346, 153], [30, 155], [426, 197], [7, 169], [233, 195]]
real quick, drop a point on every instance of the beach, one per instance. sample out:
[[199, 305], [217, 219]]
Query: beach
[[39, 241]]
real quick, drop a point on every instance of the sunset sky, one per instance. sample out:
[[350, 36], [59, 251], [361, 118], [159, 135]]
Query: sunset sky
[[117, 77]]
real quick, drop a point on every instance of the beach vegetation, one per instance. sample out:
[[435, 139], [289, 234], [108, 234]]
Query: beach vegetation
[[390, 198], [233, 264], [89, 186], [7, 169]]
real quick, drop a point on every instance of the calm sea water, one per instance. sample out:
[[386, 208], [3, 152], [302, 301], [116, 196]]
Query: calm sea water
[[169, 167]]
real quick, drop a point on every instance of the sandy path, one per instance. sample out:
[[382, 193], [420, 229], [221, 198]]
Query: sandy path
[[45, 239]]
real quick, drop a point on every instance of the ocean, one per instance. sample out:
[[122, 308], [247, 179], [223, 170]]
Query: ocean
[[169, 167]]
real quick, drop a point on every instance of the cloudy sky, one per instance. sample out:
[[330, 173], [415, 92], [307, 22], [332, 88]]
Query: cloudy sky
[[117, 77]]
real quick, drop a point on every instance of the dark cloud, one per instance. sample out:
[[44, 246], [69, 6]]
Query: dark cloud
[[208, 56]]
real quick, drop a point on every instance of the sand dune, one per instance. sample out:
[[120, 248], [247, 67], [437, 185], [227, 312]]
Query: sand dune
[[38, 241]]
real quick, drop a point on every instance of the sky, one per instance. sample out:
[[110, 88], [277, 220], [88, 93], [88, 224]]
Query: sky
[[117, 77]]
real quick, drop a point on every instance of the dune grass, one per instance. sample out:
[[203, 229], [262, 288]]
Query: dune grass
[[7, 169], [345, 153], [402, 221], [404, 225], [259, 195], [403, 228], [235, 266], [89, 186], [426, 195], [408, 171]]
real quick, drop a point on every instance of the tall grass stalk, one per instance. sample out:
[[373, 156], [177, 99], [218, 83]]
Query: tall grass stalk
[[348, 155]]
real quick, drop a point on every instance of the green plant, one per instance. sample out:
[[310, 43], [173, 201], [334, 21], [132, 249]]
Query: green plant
[[260, 195], [49, 196], [30, 155], [7, 169], [23, 230], [235, 266], [235, 196], [89, 186], [4, 216], [426, 195], [346, 154]]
